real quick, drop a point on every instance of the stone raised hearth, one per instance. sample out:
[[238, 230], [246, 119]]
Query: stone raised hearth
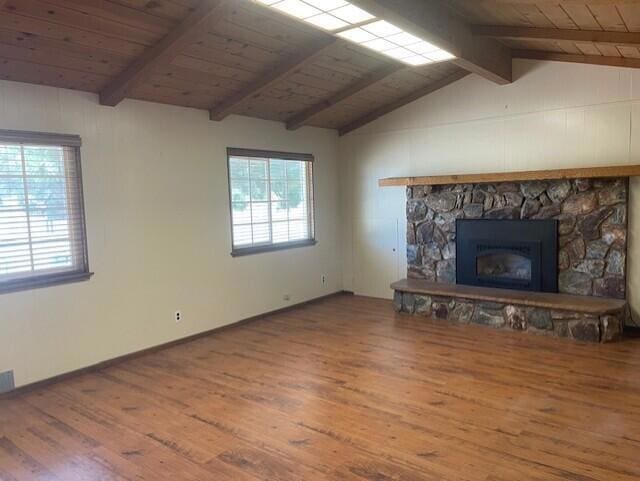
[[592, 218], [582, 318]]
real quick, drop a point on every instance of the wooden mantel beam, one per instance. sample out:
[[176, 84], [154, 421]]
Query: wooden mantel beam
[[268, 79], [577, 173], [578, 58], [183, 35], [364, 83], [530, 33], [427, 89], [433, 21]]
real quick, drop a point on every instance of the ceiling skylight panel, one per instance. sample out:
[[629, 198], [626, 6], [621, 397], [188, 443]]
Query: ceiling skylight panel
[[403, 39], [352, 14], [417, 60], [399, 53], [439, 55], [382, 28], [326, 5], [423, 47], [357, 35], [326, 21], [296, 8], [379, 45], [359, 26]]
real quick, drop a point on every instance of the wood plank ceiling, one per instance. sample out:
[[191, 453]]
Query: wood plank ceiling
[[237, 57], [591, 31]]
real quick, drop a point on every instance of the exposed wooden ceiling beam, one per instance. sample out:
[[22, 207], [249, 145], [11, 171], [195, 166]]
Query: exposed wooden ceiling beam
[[529, 33], [433, 21], [574, 58], [384, 110], [268, 79], [364, 83], [162, 53]]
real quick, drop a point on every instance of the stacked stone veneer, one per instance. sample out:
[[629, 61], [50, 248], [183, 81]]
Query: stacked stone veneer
[[592, 218], [559, 323]]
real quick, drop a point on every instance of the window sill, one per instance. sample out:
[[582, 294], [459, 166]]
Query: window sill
[[248, 251], [43, 281]]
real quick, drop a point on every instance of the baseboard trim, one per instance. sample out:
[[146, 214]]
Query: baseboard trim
[[150, 350]]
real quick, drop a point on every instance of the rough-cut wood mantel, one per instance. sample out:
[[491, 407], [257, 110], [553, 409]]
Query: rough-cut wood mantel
[[581, 173], [582, 304]]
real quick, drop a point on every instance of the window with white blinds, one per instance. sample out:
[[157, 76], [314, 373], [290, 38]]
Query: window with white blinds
[[271, 195], [42, 225]]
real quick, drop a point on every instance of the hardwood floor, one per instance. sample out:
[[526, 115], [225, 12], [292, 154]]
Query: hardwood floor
[[344, 389]]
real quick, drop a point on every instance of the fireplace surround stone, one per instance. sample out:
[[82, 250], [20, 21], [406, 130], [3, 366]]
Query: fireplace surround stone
[[592, 215], [592, 251]]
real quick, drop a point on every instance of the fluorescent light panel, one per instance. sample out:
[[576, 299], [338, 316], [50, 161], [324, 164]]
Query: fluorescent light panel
[[380, 45], [392, 41], [380, 35], [326, 21], [357, 35], [404, 39], [297, 8], [352, 14], [327, 5], [382, 28]]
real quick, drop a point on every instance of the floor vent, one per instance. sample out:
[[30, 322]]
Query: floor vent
[[7, 382]]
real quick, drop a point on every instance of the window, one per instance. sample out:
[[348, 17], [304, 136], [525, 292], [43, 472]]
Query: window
[[42, 229], [271, 195]]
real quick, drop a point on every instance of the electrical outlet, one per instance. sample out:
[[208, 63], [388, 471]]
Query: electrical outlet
[[178, 316], [286, 297]]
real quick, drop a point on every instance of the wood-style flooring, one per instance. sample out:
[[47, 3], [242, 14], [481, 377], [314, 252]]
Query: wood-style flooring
[[342, 389]]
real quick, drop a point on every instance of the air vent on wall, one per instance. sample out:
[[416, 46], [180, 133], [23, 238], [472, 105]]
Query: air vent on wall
[[7, 382]]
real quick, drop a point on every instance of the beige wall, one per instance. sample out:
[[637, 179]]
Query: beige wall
[[158, 229], [554, 115]]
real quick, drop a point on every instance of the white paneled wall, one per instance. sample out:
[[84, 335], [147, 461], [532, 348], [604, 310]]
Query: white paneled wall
[[554, 115], [158, 219], [155, 182]]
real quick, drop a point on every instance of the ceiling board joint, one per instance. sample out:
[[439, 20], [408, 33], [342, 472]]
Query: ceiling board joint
[[350, 91], [412, 97], [271, 77]]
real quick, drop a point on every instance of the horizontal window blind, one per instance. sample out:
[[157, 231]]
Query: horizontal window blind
[[42, 228], [271, 199]]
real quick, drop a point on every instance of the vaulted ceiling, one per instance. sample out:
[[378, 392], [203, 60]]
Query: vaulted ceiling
[[602, 32], [238, 57]]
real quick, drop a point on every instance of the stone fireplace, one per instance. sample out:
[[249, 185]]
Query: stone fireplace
[[563, 237], [591, 216]]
